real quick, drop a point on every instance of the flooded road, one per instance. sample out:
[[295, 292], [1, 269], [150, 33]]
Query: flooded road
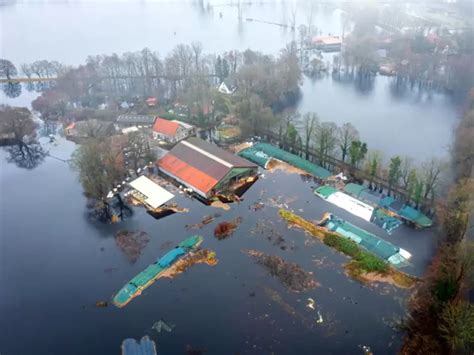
[[56, 265]]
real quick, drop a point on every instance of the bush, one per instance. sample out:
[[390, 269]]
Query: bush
[[371, 263], [345, 246]]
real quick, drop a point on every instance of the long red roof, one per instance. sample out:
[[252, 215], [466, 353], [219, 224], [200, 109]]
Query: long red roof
[[187, 173], [199, 164], [165, 127]]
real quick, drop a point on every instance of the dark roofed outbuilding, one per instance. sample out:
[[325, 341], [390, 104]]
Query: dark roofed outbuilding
[[135, 120]]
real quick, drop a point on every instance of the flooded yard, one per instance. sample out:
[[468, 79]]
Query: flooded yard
[[57, 264]]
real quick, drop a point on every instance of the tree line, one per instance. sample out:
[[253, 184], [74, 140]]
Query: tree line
[[441, 319], [420, 181]]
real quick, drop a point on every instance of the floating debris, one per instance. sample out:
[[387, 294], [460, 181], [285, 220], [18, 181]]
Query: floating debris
[[310, 303], [219, 204], [101, 304], [291, 275], [225, 229], [268, 229], [146, 346], [110, 270], [320, 318], [162, 325], [366, 349], [202, 256], [131, 243], [205, 220], [257, 206]]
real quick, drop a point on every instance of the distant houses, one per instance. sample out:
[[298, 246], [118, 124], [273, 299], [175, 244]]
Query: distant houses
[[205, 168], [151, 101], [227, 86], [327, 43], [171, 131]]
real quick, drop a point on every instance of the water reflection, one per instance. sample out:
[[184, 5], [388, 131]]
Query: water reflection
[[26, 156], [11, 89]]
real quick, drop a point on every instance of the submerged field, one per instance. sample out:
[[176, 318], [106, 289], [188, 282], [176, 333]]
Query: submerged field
[[58, 264]]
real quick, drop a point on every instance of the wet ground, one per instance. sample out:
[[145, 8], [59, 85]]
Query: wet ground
[[55, 265]]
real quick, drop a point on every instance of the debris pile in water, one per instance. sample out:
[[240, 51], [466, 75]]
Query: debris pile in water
[[162, 325], [131, 243], [205, 220], [291, 275], [225, 229], [202, 256]]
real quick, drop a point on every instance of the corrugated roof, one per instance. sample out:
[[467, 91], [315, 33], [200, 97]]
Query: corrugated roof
[[165, 127], [230, 158], [136, 119], [200, 161], [186, 173], [354, 189], [199, 164]]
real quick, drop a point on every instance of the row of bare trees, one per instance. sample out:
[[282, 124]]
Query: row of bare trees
[[419, 181]]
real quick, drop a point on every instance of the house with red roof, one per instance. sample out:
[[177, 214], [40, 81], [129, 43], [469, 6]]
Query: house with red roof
[[151, 101], [171, 131]]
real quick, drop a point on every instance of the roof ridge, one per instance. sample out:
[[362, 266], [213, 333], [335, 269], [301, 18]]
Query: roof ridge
[[207, 154]]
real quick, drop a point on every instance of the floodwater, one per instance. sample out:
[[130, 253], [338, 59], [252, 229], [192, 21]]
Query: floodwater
[[413, 123], [56, 264]]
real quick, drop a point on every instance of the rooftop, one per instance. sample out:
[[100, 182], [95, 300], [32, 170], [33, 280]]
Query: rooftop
[[200, 164], [165, 127], [148, 119], [155, 194]]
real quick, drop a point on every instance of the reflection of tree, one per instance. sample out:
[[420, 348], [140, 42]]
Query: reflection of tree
[[11, 89], [27, 156]]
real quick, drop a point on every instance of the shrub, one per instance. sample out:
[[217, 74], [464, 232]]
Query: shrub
[[345, 246], [371, 263]]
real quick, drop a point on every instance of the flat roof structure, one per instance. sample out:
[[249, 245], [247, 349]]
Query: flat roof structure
[[155, 195]]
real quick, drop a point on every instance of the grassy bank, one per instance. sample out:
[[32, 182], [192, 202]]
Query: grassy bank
[[364, 266]]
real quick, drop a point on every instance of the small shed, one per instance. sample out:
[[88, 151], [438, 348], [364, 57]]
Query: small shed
[[153, 194]]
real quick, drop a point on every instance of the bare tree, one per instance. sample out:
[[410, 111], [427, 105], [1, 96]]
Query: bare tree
[[347, 133], [406, 167], [197, 51], [431, 171], [325, 137], [311, 121]]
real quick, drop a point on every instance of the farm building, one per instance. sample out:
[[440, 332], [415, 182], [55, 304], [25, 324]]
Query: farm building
[[205, 168]]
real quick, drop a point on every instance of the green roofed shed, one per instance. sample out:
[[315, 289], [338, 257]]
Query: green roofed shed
[[415, 216], [354, 189], [292, 159], [325, 191], [255, 156]]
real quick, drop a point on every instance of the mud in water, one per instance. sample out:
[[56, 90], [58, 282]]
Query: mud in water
[[131, 243], [291, 275], [225, 229]]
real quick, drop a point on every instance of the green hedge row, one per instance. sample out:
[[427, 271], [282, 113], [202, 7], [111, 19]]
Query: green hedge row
[[364, 260]]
